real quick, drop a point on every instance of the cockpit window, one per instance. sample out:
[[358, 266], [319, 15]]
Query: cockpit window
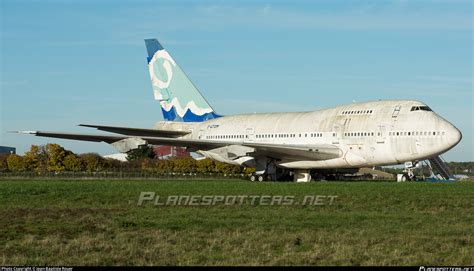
[[423, 108]]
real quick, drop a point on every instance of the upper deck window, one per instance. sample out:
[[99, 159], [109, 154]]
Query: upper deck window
[[423, 108]]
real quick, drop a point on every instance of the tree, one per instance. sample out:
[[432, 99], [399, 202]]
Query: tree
[[184, 165], [73, 163], [114, 164], [205, 165], [146, 164], [227, 168], [56, 155], [144, 151], [16, 163], [92, 162], [3, 162], [164, 166], [36, 159]]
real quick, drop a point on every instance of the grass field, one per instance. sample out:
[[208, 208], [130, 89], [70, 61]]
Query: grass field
[[97, 222]]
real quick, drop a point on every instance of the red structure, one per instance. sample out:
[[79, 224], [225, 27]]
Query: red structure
[[166, 152]]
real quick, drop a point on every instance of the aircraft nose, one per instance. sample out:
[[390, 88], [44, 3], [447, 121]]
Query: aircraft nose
[[454, 135]]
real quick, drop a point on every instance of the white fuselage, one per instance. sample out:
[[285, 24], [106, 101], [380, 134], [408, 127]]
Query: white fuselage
[[368, 134]]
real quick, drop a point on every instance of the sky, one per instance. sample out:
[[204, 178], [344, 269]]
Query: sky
[[64, 63]]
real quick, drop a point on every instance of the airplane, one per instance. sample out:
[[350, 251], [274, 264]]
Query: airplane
[[349, 136]]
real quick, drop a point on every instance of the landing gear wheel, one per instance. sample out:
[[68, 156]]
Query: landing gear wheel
[[253, 178], [261, 178], [406, 178]]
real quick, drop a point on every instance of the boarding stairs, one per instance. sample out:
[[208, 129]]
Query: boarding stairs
[[438, 163]]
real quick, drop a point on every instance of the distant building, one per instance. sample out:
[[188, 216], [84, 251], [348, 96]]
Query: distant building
[[166, 152], [7, 150]]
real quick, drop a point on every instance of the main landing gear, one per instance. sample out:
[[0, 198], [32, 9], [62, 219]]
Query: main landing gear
[[266, 169], [257, 177]]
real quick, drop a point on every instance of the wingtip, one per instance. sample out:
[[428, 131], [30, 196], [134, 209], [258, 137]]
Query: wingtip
[[24, 132], [88, 125]]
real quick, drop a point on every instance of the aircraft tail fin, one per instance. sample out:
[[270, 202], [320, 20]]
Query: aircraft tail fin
[[180, 100]]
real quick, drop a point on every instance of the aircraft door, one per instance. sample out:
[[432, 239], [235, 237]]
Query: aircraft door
[[396, 111], [249, 134], [380, 134], [336, 134], [414, 146], [201, 134]]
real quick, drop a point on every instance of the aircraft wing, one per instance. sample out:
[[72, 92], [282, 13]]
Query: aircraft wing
[[313, 152], [138, 131], [279, 151], [81, 137], [193, 143]]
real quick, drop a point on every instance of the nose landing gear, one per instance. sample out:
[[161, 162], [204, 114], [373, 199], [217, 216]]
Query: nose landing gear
[[408, 174]]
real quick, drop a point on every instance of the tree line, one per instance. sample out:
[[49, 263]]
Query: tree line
[[54, 158]]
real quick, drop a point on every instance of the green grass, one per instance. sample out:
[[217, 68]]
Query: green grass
[[98, 222]]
